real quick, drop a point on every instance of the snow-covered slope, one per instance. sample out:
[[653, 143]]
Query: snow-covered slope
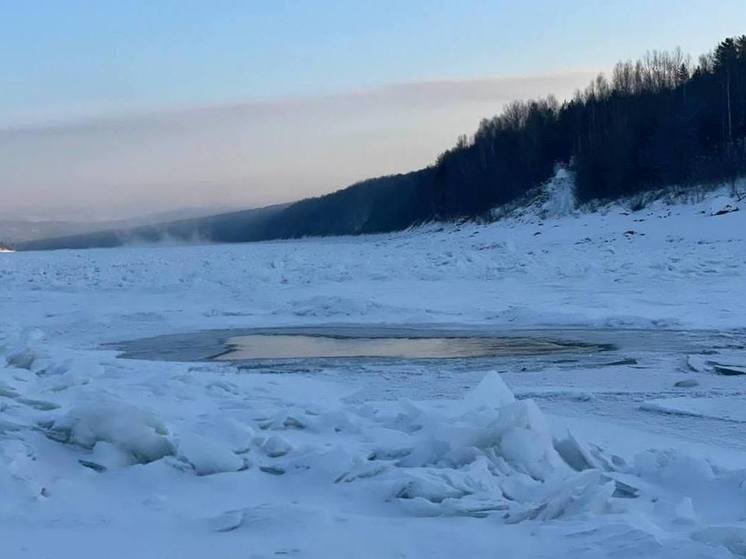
[[124, 458]]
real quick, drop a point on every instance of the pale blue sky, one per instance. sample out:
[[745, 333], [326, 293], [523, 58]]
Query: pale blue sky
[[71, 55], [111, 108]]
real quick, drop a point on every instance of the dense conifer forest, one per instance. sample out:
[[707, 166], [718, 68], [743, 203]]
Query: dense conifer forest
[[656, 122]]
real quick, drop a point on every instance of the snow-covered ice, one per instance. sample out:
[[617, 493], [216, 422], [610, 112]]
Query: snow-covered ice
[[637, 457]]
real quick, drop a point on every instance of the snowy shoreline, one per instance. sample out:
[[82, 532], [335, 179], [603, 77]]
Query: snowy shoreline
[[206, 458]]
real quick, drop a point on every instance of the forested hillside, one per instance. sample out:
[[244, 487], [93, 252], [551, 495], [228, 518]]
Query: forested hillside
[[656, 122], [663, 120]]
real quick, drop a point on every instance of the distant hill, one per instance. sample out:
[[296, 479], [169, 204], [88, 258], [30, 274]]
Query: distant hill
[[373, 206], [13, 231], [228, 227], [17, 230], [657, 122]]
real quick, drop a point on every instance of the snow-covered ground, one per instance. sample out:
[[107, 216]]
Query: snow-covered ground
[[644, 457]]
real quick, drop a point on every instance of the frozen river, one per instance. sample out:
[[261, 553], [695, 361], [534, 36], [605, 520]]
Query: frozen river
[[467, 391]]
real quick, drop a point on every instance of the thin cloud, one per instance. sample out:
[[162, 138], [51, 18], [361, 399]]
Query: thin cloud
[[245, 154]]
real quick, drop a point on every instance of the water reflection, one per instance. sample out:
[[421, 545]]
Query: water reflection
[[262, 346]]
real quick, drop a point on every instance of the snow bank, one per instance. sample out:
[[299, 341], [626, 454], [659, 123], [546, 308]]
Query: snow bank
[[21, 350], [206, 456], [722, 205], [489, 453], [561, 195], [134, 430]]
